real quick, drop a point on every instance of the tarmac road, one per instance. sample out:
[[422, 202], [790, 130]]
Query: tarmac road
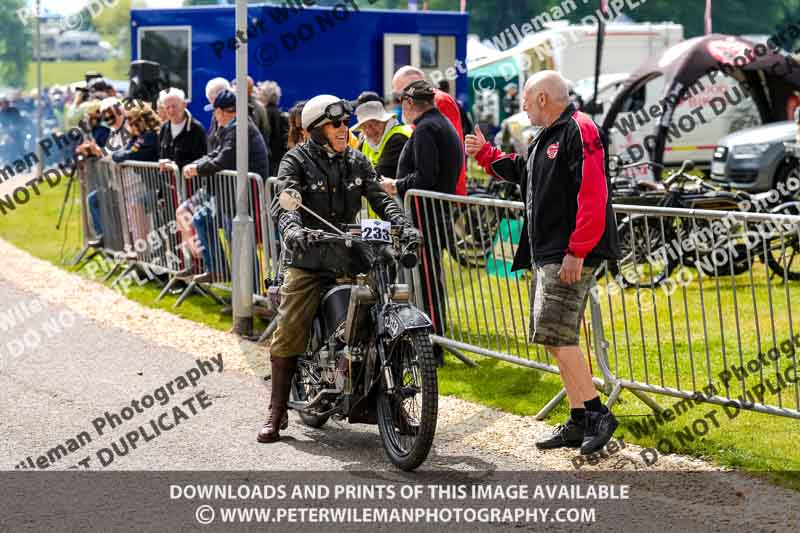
[[74, 370]]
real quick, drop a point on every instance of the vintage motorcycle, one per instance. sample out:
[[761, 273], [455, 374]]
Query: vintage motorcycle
[[369, 358]]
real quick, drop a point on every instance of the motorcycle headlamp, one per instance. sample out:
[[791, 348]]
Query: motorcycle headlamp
[[337, 113]]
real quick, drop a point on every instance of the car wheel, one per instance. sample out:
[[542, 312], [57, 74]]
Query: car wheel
[[787, 180]]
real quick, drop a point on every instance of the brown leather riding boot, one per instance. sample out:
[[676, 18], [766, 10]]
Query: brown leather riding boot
[[283, 369]]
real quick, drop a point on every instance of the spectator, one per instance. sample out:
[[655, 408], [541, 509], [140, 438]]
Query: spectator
[[223, 158], [383, 136], [162, 113], [297, 134], [112, 117], [143, 126], [444, 103], [270, 93], [256, 111], [432, 160], [213, 88], [93, 147], [570, 230], [182, 140], [140, 198]]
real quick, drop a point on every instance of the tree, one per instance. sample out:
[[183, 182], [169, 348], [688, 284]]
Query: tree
[[15, 44], [490, 17]]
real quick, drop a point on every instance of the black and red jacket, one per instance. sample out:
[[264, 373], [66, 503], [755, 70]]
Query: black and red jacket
[[569, 210]]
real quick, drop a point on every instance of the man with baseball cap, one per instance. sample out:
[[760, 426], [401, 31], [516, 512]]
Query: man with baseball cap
[[432, 160], [383, 136], [445, 103], [223, 157]]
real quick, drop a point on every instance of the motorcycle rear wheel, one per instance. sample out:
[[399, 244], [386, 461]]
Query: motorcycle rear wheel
[[407, 415]]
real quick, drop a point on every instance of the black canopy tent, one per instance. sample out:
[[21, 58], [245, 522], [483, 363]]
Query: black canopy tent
[[771, 77]]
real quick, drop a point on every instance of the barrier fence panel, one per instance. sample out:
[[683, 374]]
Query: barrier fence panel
[[701, 303], [706, 302], [213, 200], [151, 198], [274, 246], [165, 224], [106, 205], [464, 279]]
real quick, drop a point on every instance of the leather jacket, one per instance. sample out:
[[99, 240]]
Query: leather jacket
[[332, 186]]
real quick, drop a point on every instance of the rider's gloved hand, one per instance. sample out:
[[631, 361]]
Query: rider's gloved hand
[[295, 239], [411, 234]]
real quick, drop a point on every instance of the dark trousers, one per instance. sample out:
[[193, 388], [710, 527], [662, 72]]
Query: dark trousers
[[430, 217]]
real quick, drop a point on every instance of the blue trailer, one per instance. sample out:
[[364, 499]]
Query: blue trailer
[[342, 49]]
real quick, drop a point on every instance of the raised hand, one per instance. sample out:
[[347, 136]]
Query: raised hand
[[473, 143]]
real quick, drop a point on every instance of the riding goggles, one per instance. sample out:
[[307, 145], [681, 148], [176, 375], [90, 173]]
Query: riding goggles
[[337, 112]]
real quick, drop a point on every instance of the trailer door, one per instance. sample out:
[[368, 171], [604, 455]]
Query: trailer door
[[399, 50]]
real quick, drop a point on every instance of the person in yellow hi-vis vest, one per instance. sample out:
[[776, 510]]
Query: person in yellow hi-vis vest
[[383, 137]]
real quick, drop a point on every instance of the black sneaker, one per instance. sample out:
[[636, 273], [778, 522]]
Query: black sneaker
[[569, 435], [600, 428]]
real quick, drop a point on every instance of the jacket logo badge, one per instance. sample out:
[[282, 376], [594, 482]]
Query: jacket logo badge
[[358, 182], [552, 151]]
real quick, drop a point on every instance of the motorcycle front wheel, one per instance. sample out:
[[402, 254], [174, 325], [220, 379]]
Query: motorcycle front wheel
[[407, 413]]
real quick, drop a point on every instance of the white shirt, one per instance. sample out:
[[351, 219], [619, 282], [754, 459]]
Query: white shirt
[[177, 128]]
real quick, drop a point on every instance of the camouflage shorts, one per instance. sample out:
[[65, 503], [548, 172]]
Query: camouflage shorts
[[557, 308]]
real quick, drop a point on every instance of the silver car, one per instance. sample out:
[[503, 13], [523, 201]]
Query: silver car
[[754, 159]]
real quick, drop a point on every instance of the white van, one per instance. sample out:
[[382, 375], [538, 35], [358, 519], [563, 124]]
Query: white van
[[712, 109], [81, 46]]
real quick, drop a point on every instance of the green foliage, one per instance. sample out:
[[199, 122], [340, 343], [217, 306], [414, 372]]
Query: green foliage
[[15, 44], [489, 17]]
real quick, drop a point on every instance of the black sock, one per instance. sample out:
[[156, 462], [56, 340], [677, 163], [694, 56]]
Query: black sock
[[577, 415], [595, 405]]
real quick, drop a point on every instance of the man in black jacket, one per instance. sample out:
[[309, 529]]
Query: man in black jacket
[[431, 161], [332, 179], [183, 138], [223, 158], [570, 229]]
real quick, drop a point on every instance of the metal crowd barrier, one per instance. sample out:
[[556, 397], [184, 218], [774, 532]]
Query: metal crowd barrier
[[150, 197], [138, 205], [215, 196], [694, 304], [483, 306], [685, 335]]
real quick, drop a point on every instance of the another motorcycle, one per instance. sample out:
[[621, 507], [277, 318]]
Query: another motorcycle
[[369, 359]]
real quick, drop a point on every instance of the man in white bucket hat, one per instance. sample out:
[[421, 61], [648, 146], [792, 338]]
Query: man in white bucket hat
[[383, 136]]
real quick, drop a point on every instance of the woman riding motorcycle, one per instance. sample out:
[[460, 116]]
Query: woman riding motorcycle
[[331, 178]]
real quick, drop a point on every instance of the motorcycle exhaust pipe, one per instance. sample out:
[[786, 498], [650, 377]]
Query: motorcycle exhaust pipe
[[315, 401]]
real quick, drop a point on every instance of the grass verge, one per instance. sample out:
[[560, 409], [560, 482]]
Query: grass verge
[[751, 442]]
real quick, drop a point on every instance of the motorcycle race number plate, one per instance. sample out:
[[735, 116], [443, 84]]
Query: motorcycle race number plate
[[376, 230]]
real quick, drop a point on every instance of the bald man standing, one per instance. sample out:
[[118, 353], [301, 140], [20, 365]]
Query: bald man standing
[[571, 230], [446, 105]]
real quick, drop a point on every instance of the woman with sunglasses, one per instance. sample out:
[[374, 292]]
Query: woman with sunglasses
[[332, 178]]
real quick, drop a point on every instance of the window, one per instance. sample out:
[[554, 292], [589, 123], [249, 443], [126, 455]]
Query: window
[[429, 51], [171, 48], [402, 56]]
